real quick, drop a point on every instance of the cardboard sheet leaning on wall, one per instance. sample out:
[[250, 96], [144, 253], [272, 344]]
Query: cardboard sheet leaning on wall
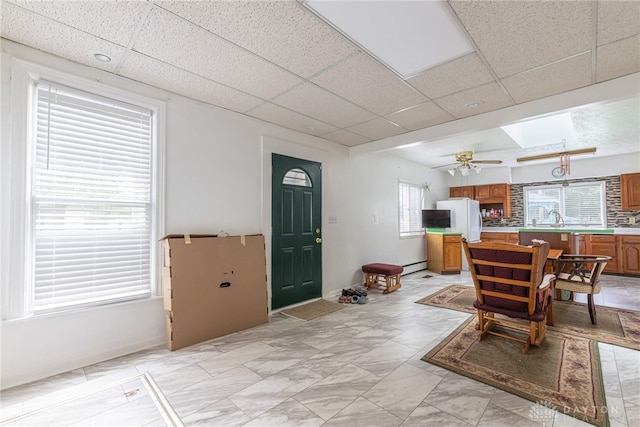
[[213, 286]]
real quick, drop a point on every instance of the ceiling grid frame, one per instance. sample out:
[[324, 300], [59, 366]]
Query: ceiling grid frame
[[615, 59]]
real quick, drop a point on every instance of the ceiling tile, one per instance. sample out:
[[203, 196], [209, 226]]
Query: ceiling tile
[[519, 35], [617, 20], [27, 28], [618, 59], [460, 74], [156, 73], [377, 128], [491, 96], [345, 137], [354, 78], [558, 77], [109, 20], [281, 31], [316, 102], [421, 116], [290, 119], [175, 41]]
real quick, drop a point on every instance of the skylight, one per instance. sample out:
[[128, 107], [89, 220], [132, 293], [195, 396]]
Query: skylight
[[542, 131]]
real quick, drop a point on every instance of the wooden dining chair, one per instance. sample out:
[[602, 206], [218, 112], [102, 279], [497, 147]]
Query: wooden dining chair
[[581, 273], [510, 281]]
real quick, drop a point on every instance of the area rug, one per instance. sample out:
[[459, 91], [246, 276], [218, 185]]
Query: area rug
[[615, 326], [313, 310], [563, 374]]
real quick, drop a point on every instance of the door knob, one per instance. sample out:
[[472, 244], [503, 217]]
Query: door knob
[[318, 240]]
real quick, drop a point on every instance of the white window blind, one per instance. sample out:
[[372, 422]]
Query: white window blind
[[578, 204], [91, 200], [410, 209]]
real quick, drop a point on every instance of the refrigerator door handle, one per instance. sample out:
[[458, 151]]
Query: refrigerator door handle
[[480, 227]]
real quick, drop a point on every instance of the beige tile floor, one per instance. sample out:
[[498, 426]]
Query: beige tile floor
[[357, 367]]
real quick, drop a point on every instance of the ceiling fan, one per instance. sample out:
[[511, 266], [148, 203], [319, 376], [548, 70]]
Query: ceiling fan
[[466, 163]]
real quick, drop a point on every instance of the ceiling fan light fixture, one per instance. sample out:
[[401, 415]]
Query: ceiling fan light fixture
[[466, 158], [464, 169]]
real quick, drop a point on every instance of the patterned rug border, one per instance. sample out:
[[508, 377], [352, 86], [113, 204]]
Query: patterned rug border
[[628, 342], [313, 310], [541, 404]]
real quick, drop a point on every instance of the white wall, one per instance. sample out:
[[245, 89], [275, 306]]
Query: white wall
[[585, 167], [215, 180], [374, 210]]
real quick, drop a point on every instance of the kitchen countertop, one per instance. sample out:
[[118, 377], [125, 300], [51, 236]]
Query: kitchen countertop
[[442, 231], [567, 230], [619, 230]]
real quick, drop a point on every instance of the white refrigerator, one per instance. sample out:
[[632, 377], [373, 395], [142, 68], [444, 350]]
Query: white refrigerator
[[465, 219]]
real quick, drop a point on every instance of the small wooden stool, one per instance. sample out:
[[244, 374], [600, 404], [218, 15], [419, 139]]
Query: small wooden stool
[[391, 273]]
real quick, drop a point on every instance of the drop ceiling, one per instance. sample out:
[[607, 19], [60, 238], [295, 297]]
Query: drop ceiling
[[284, 63]]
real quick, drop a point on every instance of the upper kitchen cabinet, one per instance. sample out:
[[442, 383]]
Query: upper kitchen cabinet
[[630, 191], [465, 191], [495, 200], [493, 191]]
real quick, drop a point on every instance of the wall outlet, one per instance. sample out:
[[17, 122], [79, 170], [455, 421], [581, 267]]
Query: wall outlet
[[632, 220]]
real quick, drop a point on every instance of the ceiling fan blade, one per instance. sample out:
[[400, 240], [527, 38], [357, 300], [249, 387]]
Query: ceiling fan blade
[[445, 166], [487, 162], [552, 155]]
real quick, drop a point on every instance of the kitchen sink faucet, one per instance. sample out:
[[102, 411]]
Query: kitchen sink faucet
[[559, 220]]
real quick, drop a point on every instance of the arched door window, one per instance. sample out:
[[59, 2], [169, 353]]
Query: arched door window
[[297, 177]]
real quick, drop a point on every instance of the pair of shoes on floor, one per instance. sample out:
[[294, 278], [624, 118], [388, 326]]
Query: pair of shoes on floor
[[352, 299], [358, 291]]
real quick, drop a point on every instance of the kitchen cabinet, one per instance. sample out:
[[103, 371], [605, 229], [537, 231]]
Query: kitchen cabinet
[[499, 237], [605, 244], [444, 253], [624, 250], [465, 191], [630, 191], [495, 199], [557, 240], [492, 191], [630, 254]]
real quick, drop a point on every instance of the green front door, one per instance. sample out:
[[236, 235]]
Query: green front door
[[296, 238]]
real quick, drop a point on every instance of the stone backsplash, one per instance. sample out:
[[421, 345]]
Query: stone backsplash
[[616, 217]]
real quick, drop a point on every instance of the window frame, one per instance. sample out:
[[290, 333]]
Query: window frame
[[562, 204], [419, 231], [17, 249]]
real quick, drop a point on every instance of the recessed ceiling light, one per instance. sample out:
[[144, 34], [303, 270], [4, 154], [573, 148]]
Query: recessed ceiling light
[[475, 104], [310, 127], [101, 57]]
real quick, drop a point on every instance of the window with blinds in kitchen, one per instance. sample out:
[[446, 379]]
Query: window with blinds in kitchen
[[575, 205], [91, 199]]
